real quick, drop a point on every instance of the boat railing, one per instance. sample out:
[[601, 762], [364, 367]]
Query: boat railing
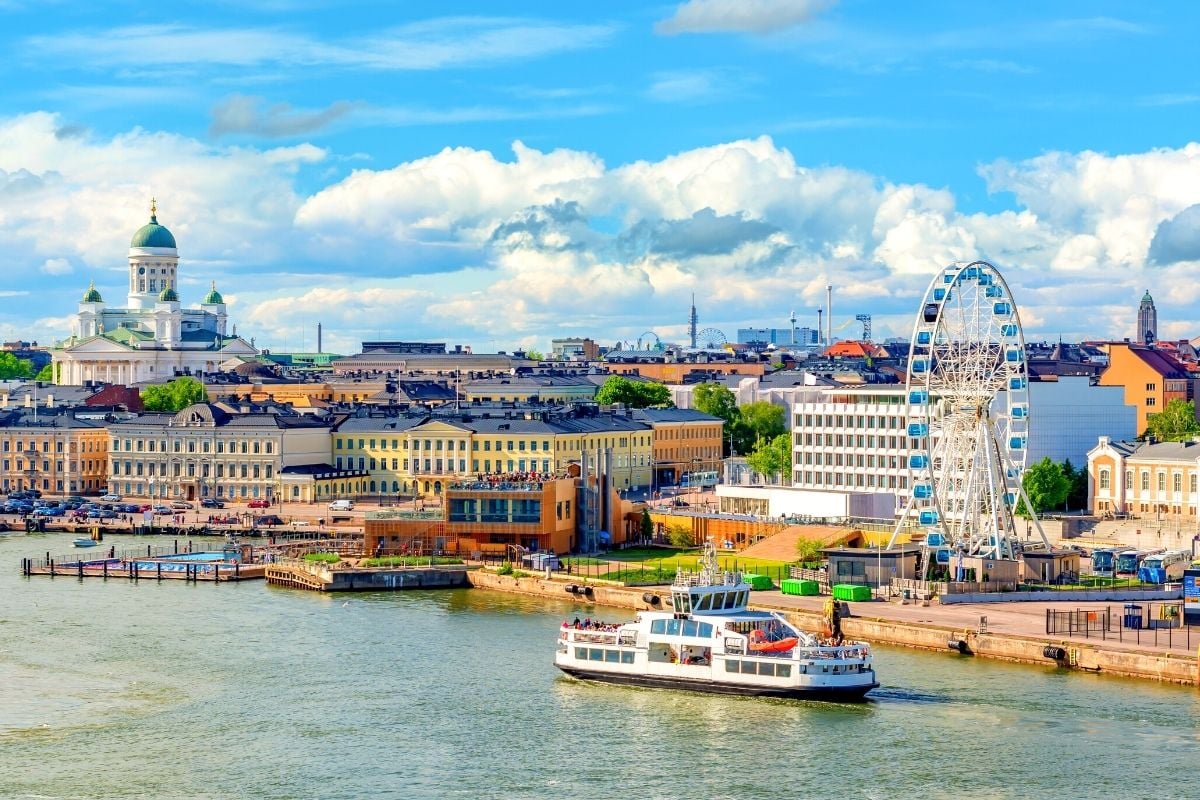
[[685, 580], [585, 636]]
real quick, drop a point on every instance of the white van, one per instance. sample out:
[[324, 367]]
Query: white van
[[341, 505]]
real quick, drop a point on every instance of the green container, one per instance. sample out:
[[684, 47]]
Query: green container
[[849, 591], [809, 588], [791, 586], [759, 582]]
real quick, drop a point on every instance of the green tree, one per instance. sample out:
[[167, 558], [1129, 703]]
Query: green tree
[[1175, 423], [13, 367], [1077, 494], [715, 399], [1046, 486], [808, 551], [647, 526], [634, 394], [772, 456], [755, 421], [175, 395], [534, 355], [46, 374], [681, 536]]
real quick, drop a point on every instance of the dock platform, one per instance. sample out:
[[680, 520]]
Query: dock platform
[[319, 577]]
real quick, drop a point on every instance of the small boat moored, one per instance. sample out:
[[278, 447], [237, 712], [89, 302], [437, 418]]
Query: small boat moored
[[84, 541]]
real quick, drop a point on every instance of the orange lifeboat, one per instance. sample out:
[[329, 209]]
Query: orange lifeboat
[[759, 643]]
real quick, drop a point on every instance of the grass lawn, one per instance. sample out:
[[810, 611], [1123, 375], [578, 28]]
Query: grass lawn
[[323, 558]]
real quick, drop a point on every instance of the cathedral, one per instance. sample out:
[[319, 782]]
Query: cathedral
[[153, 338]]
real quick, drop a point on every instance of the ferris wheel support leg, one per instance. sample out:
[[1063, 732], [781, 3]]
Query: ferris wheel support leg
[[899, 524], [1034, 518]]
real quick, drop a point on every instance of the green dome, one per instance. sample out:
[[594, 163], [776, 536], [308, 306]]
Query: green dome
[[92, 295], [213, 298], [1146, 298], [168, 295], [152, 234]]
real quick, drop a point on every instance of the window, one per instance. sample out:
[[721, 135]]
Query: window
[[1129, 480], [1145, 481], [1177, 482], [1105, 479], [1162, 481], [1150, 387]]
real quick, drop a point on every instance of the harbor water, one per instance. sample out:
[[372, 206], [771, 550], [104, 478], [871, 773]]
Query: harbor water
[[173, 690]]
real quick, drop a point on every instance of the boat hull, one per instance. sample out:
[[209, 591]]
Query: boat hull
[[839, 693]]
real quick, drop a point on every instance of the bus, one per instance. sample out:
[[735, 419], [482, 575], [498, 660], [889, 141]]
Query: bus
[[700, 480], [1128, 561], [1104, 562], [1164, 567]]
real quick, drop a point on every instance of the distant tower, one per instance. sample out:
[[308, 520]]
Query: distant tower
[[1147, 329], [692, 320], [319, 350], [792, 319], [829, 314]]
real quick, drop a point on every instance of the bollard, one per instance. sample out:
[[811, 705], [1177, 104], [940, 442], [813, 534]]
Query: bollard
[[147, 551], [237, 572], [216, 573], [51, 560], [79, 564], [159, 565], [106, 569]]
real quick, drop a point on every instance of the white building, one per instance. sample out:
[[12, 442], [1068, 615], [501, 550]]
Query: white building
[[153, 338]]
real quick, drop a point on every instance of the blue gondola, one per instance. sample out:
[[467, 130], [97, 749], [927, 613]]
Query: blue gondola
[[994, 291], [935, 539], [918, 398], [1008, 329], [1012, 355], [922, 491], [917, 429], [917, 461], [1019, 412], [929, 518], [920, 365], [939, 295], [1016, 442], [924, 337], [1016, 383], [1002, 309]]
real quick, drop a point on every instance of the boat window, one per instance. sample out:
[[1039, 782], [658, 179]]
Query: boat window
[[690, 627], [705, 603], [581, 653], [766, 669], [803, 669], [783, 670], [612, 656], [627, 639], [683, 603], [731, 599], [743, 598], [627, 656], [706, 629], [731, 665], [673, 627], [658, 626], [595, 654], [749, 668]]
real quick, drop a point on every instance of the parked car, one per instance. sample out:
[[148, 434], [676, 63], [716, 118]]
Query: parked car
[[111, 498], [259, 504], [181, 505], [268, 520], [341, 505], [161, 509], [210, 502]]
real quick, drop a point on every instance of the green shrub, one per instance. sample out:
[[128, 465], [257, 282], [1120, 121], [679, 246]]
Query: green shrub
[[410, 561], [323, 558], [505, 569]]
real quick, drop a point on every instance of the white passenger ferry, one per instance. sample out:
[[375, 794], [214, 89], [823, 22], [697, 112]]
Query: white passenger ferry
[[712, 642]]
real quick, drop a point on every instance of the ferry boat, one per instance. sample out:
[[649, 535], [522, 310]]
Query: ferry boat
[[712, 642]]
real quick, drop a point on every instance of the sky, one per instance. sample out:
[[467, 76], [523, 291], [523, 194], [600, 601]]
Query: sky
[[497, 174]]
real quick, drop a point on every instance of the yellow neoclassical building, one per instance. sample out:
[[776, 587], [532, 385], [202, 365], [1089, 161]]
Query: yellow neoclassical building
[[410, 456]]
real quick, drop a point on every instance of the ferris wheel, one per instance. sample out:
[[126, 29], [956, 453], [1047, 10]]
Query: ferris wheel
[[710, 339], [968, 415]]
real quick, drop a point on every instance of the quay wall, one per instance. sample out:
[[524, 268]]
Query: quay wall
[[1079, 596], [387, 580], [1102, 657]]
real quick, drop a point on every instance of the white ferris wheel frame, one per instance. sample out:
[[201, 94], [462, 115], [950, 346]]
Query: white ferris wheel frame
[[967, 451]]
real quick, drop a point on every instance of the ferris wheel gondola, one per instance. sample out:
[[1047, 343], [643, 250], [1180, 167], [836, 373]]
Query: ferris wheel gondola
[[968, 416]]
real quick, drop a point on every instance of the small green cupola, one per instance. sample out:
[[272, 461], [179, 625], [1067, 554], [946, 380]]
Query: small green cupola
[[1146, 298], [168, 295], [213, 298], [92, 295], [152, 234]]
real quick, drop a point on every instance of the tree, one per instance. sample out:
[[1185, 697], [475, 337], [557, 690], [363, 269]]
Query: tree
[[1077, 494], [534, 355], [46, 375], [755, 421], [1046, 486], [808, 551], [13, 367], [176, 395], [772, 456], [1175, 423], [647, 526], [681, 536], [716, 400], [634, 394]]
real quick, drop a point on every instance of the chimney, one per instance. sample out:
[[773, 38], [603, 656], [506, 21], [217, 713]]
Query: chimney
[[49, 401], [319, 350], [29, 401], [4, 400]]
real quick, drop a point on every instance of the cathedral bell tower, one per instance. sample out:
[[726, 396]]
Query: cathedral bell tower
[[153, 261]]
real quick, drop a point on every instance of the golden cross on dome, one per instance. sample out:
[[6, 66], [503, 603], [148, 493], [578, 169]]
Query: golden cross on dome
[[153, 208]]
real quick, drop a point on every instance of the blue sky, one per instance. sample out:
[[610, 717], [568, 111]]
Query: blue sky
[[497, 174]]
